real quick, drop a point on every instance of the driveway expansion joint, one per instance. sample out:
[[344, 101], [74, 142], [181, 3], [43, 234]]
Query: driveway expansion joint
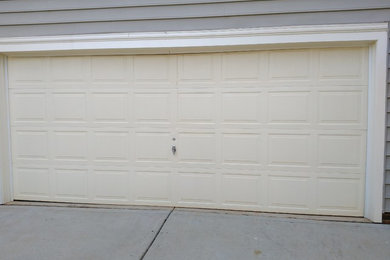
[[157, 233]]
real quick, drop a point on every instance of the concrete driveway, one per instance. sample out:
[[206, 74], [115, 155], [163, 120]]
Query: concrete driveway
[[42, 232]]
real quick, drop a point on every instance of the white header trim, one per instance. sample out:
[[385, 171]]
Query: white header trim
[[185, 39]]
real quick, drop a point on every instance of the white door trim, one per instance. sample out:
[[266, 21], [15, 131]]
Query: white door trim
[[375, 35], [5, 159], [167, 41]]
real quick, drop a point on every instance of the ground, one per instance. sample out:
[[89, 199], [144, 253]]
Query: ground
[[52, 232]]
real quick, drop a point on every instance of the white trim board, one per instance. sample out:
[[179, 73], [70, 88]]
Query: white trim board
[[374, 35], [169, 41]]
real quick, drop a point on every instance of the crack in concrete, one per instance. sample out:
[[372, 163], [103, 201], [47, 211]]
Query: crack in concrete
[[157, 233]]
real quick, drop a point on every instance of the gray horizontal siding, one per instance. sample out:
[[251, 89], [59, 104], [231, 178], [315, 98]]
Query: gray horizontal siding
[[59, 17], [44, 5], [159, 12], [204, 23], [266, 5]]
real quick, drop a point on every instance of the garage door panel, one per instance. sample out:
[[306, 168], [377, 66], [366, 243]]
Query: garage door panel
[[153, 187], [196, 147], [152, 107], [295, 195], [287, 107], [293, 150], [242, 107], [242, 148], [110, 146], [68, 106], [154, 69], [111, 185], [290, 65], [242, 66], [110, 68], [32, 183], [28, 107], [343, 64], [197, 107], [340, 150], [27, 70], [109, 107], [242, 190], [342, 108], [345, 194], [278, 131], [70, 145], [71, 184], [152, 147], [30, 145], [69, 69], [196, 68], [190, 183]]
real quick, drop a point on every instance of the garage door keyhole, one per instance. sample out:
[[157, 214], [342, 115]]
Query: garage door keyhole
[[174, 147]]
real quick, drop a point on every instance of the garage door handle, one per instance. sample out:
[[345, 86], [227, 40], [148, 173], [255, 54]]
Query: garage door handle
[[174, 149]]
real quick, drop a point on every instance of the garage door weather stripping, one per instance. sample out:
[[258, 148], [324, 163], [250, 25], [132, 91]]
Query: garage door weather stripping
[[282, 120]]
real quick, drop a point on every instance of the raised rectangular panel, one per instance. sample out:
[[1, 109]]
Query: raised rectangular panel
[[111, 146], [196, 147], [28, 107], [196, 67], [111, 185], [71, 183], [68, 68], [152, 107], [110, 107], [288, 107], [152, 68], [340, 150], [288, 149], [70, 145], [241, 107], [293, 65], [68, 106], [32, 182], [153, 147], [339, 194], [241, 190], [108, 68], [153, 186], [342, 63], [290, 192], [27, 69], [196, 107], [241, 148], [196, 187], [240, 66], [30, 144], [341, 107]]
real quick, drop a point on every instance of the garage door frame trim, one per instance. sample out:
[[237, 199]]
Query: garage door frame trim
[[373, 35]]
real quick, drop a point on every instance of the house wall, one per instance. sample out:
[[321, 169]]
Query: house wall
[[58, 17]]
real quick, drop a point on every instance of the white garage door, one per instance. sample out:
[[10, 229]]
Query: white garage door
[[277, 131]]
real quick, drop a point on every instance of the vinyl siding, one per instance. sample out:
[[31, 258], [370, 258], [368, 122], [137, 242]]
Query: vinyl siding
[[42, 17], [58, 17]]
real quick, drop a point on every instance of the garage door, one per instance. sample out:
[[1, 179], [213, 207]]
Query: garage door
[[276, 131]]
